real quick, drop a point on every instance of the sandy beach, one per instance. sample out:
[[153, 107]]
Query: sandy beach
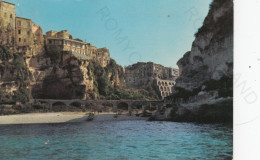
[[62, 117]]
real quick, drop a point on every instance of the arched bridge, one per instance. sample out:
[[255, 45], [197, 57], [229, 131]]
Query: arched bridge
[[112, 103]]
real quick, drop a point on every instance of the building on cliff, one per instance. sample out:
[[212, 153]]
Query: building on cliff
[[7, 25], [20, 34], [64, 41], [141, 74], [24, 36]]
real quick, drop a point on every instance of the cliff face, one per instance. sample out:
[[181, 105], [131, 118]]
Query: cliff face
[[211, 55], [62, 76], [206, 72], [68, 78]]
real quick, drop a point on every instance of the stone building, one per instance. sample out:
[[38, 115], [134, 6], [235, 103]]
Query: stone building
[[165, 87], [20, 34], [23, 32], [64, 41], [7, 24], [29, 37], [103, 56], [141, 74]]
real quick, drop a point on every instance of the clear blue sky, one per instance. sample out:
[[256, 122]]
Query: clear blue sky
[[160, 31]]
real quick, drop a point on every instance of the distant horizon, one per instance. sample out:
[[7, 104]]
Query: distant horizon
[[134, 31]]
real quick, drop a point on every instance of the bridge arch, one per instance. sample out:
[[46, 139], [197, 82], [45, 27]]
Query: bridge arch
[[59, 103], [76, 104], [44, 102], [89, 106], [107, 106], [137, 105], [122, 106]]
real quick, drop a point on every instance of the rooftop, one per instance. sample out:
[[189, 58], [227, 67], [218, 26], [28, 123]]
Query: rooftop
[[23, 18], [6, 2], [73, 40]]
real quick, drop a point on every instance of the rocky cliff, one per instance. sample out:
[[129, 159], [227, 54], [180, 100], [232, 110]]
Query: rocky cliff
[[66, 77], [60, 75], [55, 75], [204, 90]]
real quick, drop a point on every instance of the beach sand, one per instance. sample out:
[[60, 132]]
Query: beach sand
[[63, 117]]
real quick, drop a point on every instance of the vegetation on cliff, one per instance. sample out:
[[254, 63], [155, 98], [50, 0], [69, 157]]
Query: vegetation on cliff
[[15, 64], [54, 53], [5, 54], [23, 94], [105, 86]]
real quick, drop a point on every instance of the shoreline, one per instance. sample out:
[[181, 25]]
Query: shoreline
[[63, 117]]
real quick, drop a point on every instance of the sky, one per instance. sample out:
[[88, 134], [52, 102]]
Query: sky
[[160, 31]]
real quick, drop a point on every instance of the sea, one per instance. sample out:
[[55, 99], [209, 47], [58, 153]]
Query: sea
[[116, 140]]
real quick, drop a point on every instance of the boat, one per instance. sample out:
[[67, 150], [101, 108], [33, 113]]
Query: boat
[[90, 116]]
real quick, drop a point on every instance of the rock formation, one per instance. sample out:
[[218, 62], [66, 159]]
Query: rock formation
[[67, 78], [204, 90], [63, 78]]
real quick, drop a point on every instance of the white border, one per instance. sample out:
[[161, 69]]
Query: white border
[[246, 80]]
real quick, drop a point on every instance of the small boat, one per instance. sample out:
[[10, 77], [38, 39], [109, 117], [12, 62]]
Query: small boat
[[116, 115], [90, 116]]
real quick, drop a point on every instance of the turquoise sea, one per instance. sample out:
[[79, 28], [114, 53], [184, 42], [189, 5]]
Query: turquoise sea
[[116, 140]]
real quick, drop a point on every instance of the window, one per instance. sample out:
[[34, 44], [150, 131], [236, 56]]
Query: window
[[59, 42], [24, 40], [19, 23], [19, 31], [11, 16], [20, 39], [28, 33], [5, 14], [49, 41]]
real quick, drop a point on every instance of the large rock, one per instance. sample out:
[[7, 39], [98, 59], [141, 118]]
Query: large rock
[[205, 85]]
